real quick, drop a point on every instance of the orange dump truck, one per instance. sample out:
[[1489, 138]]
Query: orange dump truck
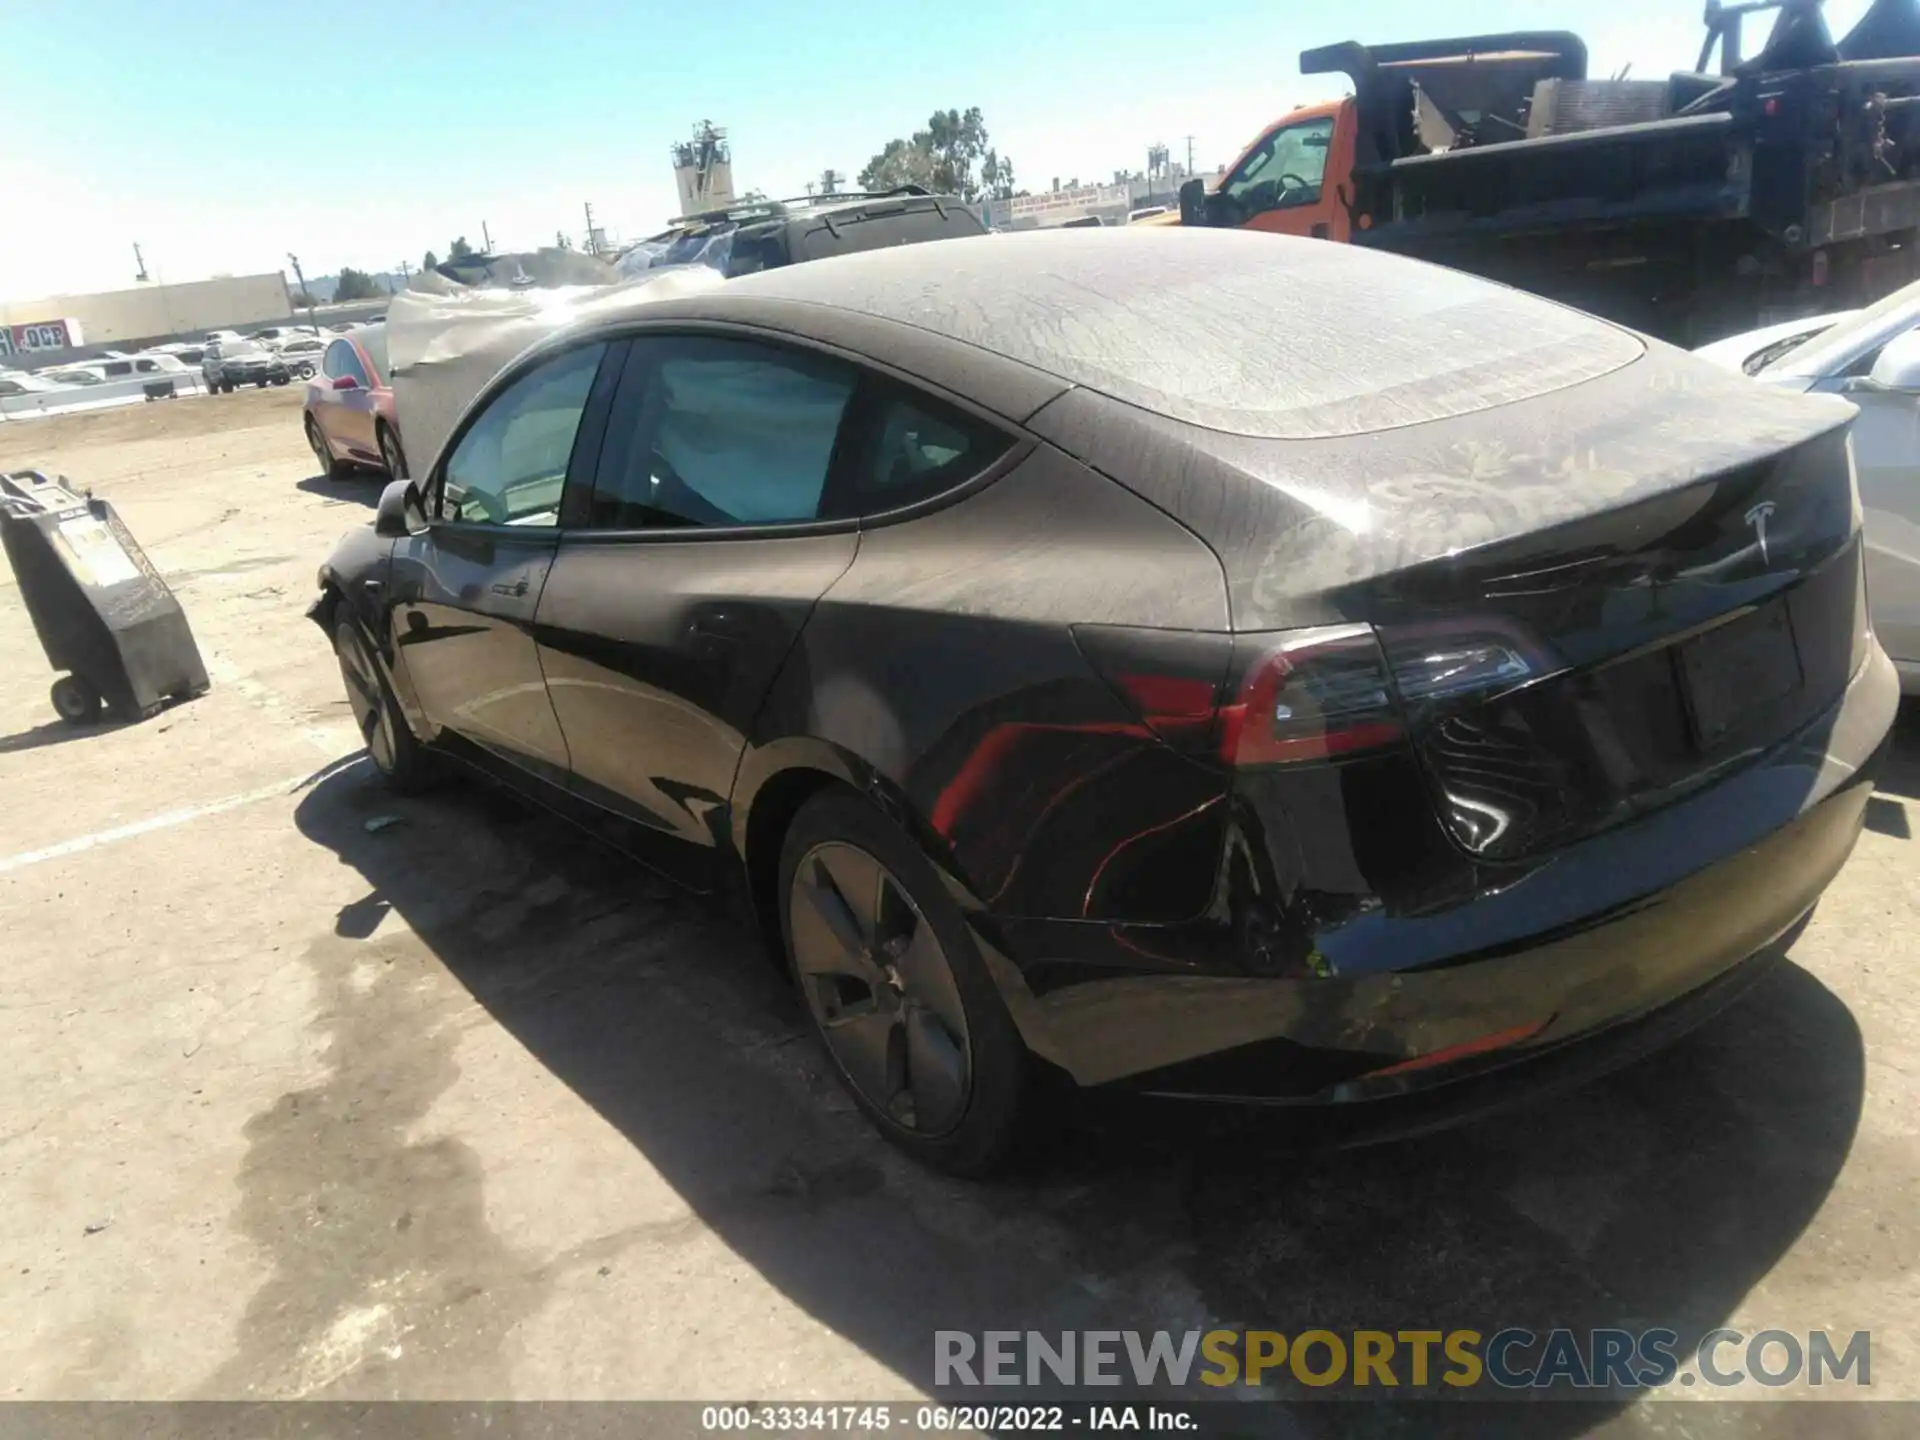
[[1689, 206]]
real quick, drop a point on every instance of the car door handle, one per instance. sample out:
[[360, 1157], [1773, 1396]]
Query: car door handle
[[514, 590]]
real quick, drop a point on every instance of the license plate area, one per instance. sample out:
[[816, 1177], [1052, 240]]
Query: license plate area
[[1738, 673]]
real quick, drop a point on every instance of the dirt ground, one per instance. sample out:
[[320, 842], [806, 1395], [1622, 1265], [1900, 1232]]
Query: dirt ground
[[460, 1106]]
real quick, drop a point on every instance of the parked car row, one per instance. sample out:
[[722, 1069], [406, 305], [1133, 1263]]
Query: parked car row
[[1226, 666]]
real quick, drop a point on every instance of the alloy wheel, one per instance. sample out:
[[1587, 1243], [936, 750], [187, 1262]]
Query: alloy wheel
[[881, 989], [366, 696]]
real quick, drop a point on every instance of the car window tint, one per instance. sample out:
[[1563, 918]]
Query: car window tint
[[719, 432], [330, 366], [511, 464], [918, 448], [374, 342], [350, 365]]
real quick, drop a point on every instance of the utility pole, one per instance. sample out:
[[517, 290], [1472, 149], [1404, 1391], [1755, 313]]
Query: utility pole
[[486, 237], [1189, 157], [139, 263], [593, 243], [294, 260], [406, 272]]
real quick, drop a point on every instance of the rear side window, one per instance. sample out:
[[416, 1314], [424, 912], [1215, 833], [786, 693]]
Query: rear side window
[[374, 342], [917, 448], [719, 433], [849, 234]]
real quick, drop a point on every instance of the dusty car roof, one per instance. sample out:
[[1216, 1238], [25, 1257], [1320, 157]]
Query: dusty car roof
[[1247, 333]]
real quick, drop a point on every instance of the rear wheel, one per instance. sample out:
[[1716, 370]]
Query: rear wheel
[[376, 714], [390, 453], [896, 989], [331, 468], [75, 700], [226, 387]]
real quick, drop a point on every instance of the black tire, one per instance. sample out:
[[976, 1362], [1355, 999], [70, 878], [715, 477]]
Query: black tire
[[226, 387], [396, 754], [76, 701], [280, 379], [391, 455], [981, 1118], [260, 384], [330, 467]]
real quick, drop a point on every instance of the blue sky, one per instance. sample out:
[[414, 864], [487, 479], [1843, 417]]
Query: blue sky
[[221, 134]]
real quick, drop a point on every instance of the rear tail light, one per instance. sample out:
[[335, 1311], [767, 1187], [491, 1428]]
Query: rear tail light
[[1171, 679], [1460, 667], [1307, 695], [1252, 699], [1435, 664]]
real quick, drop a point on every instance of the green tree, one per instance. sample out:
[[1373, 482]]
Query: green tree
[[459, 250], [429, 261], [996, 176], [951, 156], [901, 163], [355, 285]]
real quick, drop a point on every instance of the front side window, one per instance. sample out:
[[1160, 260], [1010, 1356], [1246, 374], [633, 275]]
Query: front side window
[[1288, 168], [511, 464], [332, 364], [711, 432], [350, 365]]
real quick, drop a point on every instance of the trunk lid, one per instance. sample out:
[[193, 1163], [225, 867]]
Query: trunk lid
[[1574, 678]]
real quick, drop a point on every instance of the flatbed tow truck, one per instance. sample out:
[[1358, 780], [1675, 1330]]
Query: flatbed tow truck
[[1691, 207]]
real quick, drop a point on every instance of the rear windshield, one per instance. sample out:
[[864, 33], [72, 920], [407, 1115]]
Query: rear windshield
[[1238, 332]]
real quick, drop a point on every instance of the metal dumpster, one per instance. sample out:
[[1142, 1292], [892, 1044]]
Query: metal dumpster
[[101, 610]]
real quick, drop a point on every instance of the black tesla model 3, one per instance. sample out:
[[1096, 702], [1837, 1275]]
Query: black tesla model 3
[[1223, 665]]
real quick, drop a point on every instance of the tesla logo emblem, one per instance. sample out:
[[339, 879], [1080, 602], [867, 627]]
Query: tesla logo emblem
[[1757, 518]]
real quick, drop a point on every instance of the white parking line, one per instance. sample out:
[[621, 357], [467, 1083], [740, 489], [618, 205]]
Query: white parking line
[[148, 826]]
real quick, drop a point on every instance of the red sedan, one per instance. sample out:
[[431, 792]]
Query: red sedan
[[350, 418]]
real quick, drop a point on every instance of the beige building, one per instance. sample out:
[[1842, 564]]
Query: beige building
[[155, 311]]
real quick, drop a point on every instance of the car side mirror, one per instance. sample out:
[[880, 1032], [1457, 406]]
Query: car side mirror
[[1898, 365], [402, 512], [345, 382], [1193, 202]]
